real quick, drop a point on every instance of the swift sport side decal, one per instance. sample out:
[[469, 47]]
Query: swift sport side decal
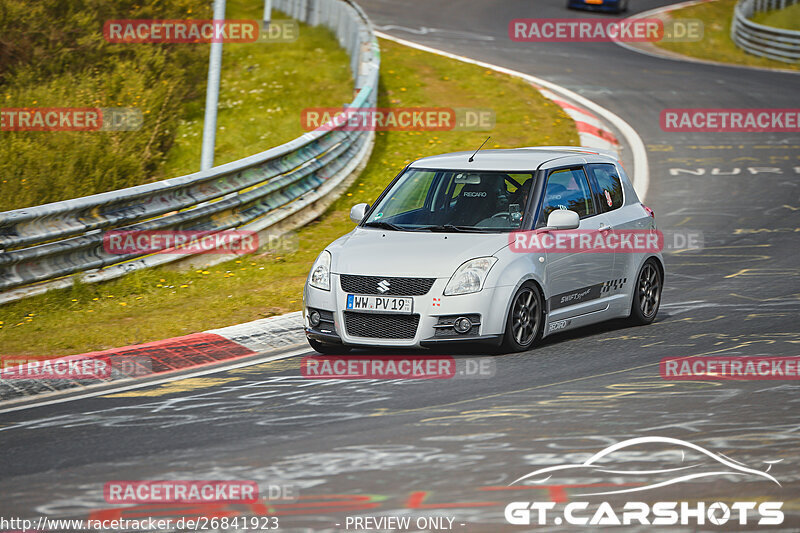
[[585, 294], [578, 296]]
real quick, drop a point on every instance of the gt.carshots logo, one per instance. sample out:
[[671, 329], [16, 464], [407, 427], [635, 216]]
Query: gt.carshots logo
[[641, 513], [695, 463]]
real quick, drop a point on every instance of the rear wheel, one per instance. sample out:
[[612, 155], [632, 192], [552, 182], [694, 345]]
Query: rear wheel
[[646, 294], [525, 319], [328, 349]]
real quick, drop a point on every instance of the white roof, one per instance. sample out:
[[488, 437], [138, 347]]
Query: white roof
[[515, 159]]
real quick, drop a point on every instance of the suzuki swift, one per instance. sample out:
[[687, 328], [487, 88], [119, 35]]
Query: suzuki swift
[[435, 259]]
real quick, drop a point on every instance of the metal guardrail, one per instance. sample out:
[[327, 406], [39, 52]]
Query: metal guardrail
[[59, 240], [766, 41]]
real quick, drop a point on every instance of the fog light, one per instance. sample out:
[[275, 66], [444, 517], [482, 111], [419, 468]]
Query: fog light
[[462, 325], [314, 318]]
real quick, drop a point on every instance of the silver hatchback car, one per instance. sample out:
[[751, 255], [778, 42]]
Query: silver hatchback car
[[500, 247]]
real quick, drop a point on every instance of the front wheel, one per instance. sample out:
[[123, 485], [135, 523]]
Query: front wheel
[[646, 294], [525, 318]]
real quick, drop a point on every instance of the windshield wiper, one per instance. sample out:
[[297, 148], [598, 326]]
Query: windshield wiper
[[451, 228], [384, 225]]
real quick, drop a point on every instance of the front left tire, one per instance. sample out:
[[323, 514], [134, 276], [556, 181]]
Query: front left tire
[[525, 321]]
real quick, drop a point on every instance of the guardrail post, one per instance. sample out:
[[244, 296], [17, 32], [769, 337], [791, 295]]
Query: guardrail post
[[212, 93], [267, 13], [313, 12]]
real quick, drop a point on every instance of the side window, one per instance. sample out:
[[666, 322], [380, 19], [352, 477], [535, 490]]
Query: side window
[[609, 191], [568, 189]]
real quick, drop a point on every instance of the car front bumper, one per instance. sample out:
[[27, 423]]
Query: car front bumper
[[488, 307]]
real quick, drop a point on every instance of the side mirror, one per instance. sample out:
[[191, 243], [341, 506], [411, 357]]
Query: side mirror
[[563, 219], [357, 212]]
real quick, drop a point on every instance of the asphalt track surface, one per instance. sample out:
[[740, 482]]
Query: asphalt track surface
[[450, 448]]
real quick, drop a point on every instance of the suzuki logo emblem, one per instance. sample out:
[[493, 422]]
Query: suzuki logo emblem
[[383, 286]]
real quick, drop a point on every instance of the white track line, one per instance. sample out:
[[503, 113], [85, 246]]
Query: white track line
[[641, 168], [123, 388]]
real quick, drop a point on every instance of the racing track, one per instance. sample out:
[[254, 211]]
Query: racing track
[[450, 447]]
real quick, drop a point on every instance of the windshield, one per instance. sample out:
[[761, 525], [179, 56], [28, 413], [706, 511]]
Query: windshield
[[454, 200]]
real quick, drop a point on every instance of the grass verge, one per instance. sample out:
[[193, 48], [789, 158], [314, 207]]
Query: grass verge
[[264, 85], [161, 303], [787, 19], [717, 45], [263, 88]]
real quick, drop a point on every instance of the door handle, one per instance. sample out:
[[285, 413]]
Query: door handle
[[604, 227]]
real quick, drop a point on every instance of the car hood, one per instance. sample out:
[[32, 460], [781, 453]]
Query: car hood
[[377, 252]]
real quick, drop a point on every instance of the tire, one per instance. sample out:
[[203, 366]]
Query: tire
[[328, 349], [524, 324], [647, 294]]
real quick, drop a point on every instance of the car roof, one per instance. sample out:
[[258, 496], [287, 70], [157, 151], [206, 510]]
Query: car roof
[[514, 159]]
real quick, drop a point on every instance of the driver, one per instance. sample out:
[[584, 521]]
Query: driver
[[520, 196]]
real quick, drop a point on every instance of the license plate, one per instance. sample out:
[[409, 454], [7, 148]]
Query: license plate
[[596, 2], [381, 304]]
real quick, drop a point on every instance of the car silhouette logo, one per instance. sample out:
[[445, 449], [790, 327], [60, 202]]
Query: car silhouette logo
[[383, 286], [681, 472]]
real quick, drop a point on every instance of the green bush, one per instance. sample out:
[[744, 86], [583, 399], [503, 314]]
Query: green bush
[[69, 64]]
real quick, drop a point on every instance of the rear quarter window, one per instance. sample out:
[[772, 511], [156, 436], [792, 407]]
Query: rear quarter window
[[567, 189], [609, 193]]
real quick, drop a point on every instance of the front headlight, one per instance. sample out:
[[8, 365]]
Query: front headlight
[[320, 276], [470, 276]]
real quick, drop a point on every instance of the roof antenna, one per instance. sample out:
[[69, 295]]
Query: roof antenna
[[479, 147]]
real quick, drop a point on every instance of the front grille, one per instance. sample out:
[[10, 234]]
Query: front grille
[[397, 286], [380, 326]]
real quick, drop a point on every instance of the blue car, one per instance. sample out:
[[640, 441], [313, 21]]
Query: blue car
[[609, 6]]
